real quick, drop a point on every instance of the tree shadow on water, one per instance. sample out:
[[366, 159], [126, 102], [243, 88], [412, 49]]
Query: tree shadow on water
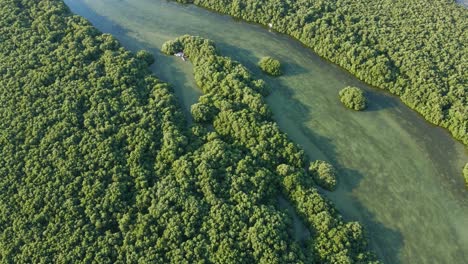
[[250, 61], [377, 101], [384, 241]]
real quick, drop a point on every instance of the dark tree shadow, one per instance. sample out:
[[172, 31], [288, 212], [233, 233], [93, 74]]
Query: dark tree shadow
[[384, 241], [377, 101], [377, 98], [250, 61]]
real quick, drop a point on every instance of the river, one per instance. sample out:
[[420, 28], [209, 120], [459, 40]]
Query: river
[[399, 175]]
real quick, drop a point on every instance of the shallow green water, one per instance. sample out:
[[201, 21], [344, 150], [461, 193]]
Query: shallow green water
[[399, 176]]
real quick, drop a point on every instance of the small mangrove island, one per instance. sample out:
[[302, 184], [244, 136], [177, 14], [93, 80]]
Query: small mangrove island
[[270, 66], [353, 98]]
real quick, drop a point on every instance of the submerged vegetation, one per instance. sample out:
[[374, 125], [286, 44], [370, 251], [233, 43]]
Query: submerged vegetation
[[414, 49], [353, 98], [87, 140], [270, 66], [98, 164]]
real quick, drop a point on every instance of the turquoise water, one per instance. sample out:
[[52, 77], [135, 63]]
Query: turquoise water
[[399, 176]]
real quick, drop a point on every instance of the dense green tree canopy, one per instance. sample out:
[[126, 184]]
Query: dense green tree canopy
[[465, 173], [242, 120], [323, 174], [353, 98], [270, 66], [145, 56], [415, 49], [97, 163]]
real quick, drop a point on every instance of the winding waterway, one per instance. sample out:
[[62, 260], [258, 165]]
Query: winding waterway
[[399, 176]]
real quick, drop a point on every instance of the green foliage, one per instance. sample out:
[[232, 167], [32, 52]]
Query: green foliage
[[405, 47], [145, 56], [465, 173], [323, 174], [270, 66], [234, 109], [353, 98], [97, 164], [170, 48], [203, 112]]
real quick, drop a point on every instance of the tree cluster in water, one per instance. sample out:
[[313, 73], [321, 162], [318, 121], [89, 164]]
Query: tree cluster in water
[[232, 110], [353, 98], [414, 49], [97, 163], [270, 66]]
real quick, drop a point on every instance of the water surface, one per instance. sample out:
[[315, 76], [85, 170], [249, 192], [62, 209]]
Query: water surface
[[399, 176]]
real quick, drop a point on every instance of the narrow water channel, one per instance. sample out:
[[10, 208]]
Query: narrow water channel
[[399, 176]]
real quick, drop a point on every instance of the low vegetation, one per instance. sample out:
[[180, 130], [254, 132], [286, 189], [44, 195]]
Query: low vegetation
[[353, 98], [97, 163], [270, 66], [323, 174], [405, 47]]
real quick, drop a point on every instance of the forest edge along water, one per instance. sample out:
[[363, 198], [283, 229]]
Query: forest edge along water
[[399, 176], [365, 39]]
